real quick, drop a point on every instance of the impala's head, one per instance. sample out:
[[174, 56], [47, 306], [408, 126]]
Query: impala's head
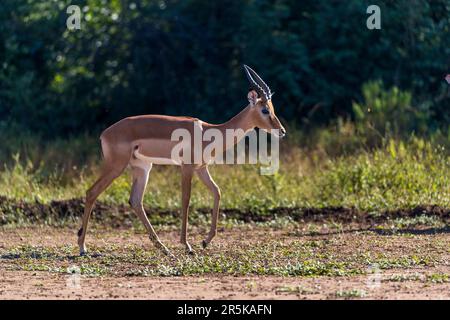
[[261, 107]]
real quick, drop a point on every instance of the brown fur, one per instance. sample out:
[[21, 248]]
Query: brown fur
[[152, 135]]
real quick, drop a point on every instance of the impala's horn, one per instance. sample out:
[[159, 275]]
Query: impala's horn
[[257, 83]]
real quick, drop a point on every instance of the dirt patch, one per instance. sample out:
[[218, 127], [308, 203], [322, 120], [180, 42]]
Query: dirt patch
[[51, 286], [241, 263], [14, 211]]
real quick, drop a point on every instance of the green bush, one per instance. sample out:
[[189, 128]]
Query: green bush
[[184, 57], [386, 114]]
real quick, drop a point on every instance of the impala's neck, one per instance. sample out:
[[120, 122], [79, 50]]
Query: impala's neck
[[240, 121], [240, 124]]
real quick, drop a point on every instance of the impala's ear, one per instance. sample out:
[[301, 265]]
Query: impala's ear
[[448, 78], [252, 97]]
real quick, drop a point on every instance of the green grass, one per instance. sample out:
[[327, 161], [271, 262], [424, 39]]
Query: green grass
[[423, 220], [135, 261], [438, 278], [263, 255], [354, 293], [430, 278], [398, 175]]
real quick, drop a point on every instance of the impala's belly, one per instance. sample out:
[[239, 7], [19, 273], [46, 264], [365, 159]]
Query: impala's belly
[[156, 160], [156, 151]]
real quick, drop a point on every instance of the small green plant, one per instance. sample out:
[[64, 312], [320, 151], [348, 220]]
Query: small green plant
[[438, 278], [354, 293], [384, 113], [422, 220], [295, 290], [405, 277]]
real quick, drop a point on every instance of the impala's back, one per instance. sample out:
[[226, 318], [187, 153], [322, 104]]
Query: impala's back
[[150, 135]]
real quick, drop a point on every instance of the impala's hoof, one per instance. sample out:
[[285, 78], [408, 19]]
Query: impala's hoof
[[190, 252], [90, 254], [189, 249], [83, 250], [204, 244]]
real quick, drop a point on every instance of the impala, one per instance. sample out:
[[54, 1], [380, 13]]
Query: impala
[[141, 141]]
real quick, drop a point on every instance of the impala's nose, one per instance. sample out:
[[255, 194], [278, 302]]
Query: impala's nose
[[282, 133]]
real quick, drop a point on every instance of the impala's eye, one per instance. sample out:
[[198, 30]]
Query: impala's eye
[[265, 111]]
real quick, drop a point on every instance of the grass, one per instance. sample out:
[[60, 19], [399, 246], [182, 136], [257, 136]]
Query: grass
[[438, 278], [422, 220], [397, 175], [339, 170], [354, 293], [430, 278], [142, 263], [268, 252], [290, 262], [334, 266], [374, 163]]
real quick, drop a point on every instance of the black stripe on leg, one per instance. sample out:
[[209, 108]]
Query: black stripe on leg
[[80, 231]]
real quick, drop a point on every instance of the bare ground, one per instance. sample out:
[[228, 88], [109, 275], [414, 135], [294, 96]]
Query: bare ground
[[42, 285], [409, 265]]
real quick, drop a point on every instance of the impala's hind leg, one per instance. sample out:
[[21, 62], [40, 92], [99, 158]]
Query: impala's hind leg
[[92, 194], [140, 172], [115, 161]]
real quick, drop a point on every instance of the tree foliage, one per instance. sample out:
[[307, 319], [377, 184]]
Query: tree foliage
[[184, 57]]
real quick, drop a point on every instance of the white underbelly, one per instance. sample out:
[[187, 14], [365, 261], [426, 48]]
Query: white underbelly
[[155, 160]]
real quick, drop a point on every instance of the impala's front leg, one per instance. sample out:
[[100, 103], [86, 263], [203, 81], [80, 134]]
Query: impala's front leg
[[186, 179], [205, 177]]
